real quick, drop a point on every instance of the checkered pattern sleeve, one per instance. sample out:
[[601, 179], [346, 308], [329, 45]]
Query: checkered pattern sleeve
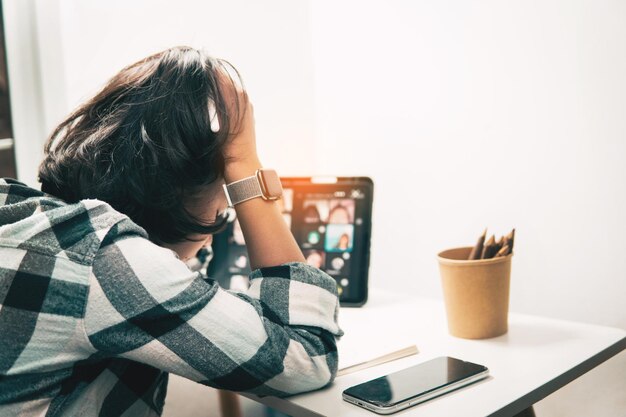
[[278, 338]]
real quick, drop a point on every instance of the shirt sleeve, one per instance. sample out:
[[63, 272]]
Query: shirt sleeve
[[278, 338]]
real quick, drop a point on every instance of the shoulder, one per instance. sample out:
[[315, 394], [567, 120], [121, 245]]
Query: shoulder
[[83, 228], [117, 235], [41, 223]]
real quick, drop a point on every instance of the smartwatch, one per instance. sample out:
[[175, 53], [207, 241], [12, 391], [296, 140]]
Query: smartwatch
[[265, 183]]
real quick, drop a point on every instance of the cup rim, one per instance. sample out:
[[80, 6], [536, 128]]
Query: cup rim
[[470, 262]]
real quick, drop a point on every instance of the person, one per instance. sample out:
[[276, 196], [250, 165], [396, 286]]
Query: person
[[339, 215], [312, 214], [96, 303], [344, 242], [315, 258]]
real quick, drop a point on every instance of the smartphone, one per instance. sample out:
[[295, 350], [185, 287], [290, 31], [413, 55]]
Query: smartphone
[[394, 392]]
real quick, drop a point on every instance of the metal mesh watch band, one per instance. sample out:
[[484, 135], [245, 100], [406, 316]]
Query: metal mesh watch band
[[243, 190]]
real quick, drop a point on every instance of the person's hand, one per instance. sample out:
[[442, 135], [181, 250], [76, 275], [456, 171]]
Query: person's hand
[[241, 149], [240, 152], [269, 241]]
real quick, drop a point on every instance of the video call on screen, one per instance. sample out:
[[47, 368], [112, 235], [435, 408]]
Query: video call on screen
[[329, 225]]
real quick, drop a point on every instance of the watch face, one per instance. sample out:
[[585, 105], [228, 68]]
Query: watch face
[[270, 184]]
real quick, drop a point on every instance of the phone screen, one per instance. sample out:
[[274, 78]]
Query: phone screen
[[415, 381]]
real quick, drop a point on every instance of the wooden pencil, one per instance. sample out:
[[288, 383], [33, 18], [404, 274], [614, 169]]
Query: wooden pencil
[[499, 244], [510, 240], [477, 250], [489, 249], [503, 251]]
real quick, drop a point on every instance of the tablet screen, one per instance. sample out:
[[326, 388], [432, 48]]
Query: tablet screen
[[331, 222]]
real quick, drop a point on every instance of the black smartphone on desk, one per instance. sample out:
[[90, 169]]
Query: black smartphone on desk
[[394, 392]]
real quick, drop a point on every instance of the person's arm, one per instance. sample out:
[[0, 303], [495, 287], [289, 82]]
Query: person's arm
[[268, 239], [278, 338]]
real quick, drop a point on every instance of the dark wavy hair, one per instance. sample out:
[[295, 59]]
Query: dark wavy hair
[[144, 143]]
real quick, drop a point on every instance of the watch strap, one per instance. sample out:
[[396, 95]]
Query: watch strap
[[243, 190]]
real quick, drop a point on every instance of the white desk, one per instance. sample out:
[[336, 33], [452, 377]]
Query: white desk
[[535, 358]]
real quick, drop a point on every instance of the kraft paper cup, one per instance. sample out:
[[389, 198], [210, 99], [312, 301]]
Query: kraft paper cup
[[476, 293]]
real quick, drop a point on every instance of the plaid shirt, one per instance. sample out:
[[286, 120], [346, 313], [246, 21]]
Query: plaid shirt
[[93, 316]]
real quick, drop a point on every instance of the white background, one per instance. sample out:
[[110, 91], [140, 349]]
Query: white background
[[467, 114]]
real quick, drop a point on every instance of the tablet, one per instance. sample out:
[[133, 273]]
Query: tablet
[[330, 218]]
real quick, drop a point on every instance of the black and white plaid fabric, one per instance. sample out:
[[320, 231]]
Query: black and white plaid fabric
[[93, 316]]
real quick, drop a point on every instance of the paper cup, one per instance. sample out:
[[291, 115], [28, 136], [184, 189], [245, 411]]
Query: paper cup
[[476, 293]]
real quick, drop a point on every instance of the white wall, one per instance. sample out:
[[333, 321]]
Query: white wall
[[492, 114], [24, 70], [488, 113]]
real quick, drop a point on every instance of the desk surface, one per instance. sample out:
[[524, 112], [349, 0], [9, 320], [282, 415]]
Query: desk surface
[[535, 358]]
